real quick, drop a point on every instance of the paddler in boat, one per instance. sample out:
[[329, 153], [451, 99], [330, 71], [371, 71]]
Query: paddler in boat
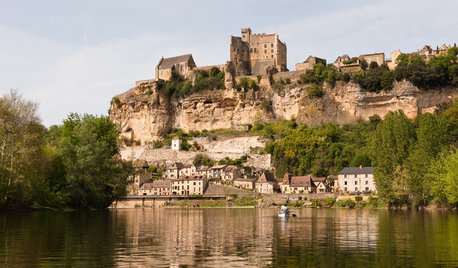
[[285, 210]]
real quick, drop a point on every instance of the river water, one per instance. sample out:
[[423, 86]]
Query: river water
[[229, 237]]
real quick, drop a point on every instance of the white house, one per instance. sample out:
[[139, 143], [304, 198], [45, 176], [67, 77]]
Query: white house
[[176, 143], [356, 179]]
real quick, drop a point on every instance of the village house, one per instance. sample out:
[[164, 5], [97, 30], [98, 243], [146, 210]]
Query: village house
[[173, 171], [309, 63], [356, 179], [176, 143], [266, 183], [203, 171], [183, 64], [230, 173], [297, 184], [217, 171], [189, 185], [157, 187], [379, 58], [321, 185], [188, 170], [245, 183]]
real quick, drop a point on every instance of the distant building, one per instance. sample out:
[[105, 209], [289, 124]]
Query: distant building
[[393, 62], [297, 184], [157, 187], [189, 185], [266, 183], [245, 183], [173, 171], [309, 63], [321, 185], [176, 143], [356, 179], [254, 53], [188, 170], [217, 171], [230, 173], [183, 64], [379, 58]]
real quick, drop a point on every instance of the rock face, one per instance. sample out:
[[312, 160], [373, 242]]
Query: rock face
[[144, 114]]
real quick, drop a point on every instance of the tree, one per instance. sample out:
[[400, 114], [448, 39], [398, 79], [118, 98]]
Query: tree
[[363, 64], [89, 149], [389, 148], [444, 177], [21, 141]]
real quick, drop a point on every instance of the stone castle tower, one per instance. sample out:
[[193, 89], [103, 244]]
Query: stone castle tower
[[254, 53]]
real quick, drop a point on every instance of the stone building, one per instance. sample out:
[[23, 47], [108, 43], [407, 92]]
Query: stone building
[[244, 183], [230, 173], [356, 179], [183, 64], [297, 184], [173, 171], [188, 170], [309, 63], [157, 187], [266, 184], [379, 58], [176, 143], [321, 185], [393, 62], [254, 53], [189, 185]]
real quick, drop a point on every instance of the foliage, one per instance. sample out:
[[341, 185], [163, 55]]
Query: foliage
[[314, 91], [246, 83], [236, 162], [203, 160], [259, 77], [444, 177], [347, 203], [178, 86]]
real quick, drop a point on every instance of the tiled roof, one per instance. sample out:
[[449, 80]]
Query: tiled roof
[[357, 170], [190, 178], [167, 63], [218, 167], [286, 179], [321, 179], [301, 181], [176, 165], [267, 177]]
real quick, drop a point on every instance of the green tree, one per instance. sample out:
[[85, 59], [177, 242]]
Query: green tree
[[21, 143], [444, 176], [94, 174], [389, 148]]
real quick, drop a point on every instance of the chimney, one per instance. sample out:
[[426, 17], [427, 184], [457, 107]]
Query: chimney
[[360, 166]]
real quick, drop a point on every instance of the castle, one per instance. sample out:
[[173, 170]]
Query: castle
[[252, 54]]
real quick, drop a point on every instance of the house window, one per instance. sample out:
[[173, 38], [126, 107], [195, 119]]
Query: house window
[[367, 182], [271, 51], [251, 50], [345, 189], [365, 176], [271, 56], [356, 188], [345, 176], [255, 50], [265, 51], [265, 45], [345, 182], [356, 182], [271, 45], [367, 189]]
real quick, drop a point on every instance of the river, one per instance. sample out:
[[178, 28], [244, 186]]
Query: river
[[229, 237]]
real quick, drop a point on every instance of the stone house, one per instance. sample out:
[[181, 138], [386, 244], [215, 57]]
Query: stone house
[[189, 185], [188, 170], [203, 171], [176, 143], [137, 181], [244, 183], [217, 171], [173, 171], [157, 187], [230, 173], [379, 58], [266, 183], [297, 184], [183, 64], [309, 63], [393, 62], [321, 185], [356, 179], [254, 53]]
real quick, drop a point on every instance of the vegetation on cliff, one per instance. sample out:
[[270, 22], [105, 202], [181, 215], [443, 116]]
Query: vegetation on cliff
[[180, 87], [73, 165], [415, 160]]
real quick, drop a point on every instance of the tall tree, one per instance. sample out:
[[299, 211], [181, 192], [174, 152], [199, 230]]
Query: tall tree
[[389, 147], [21, 140]]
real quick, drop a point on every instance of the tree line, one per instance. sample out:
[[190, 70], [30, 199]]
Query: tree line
[[73, 165]]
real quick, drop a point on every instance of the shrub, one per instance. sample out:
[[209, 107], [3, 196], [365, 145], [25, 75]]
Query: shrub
[[346, 77], [348, 203], [314, 91], [259, 77], [358, 198]]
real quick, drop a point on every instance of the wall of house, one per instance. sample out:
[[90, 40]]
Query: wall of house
[[356, 183]]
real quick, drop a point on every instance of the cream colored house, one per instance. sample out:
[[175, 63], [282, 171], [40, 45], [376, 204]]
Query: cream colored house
[[157, 187], [356, 179], [266, 184], [188, 170], [173, 171], [297, 184], [244, 183], [230, 173], [189, 185], [321, 185]]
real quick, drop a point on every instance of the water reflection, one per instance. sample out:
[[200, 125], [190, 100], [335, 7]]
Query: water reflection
[[217, 237]]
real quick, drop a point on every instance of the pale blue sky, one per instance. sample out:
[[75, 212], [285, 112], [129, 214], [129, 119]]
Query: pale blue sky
[[74, 56]]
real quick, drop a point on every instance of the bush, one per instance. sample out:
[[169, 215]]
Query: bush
[[314, 91], [259, 77], [348, 203], [246, 83], [358, 198]]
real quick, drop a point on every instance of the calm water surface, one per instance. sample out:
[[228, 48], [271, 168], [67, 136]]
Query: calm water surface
[[229, 237]]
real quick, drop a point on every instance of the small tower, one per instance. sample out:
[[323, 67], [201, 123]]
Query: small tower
[[176, 143]]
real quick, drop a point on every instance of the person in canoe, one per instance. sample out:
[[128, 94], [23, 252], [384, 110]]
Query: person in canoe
[[285, 210]]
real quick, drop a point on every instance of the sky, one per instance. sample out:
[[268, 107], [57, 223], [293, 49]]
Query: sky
[[74, 56]]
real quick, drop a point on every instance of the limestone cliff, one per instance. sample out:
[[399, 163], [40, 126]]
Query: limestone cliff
[[144, 114]]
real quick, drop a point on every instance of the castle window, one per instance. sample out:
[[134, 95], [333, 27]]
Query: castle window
[[265, 51], [271, 51], [265, 45], [271, 45], [271, 56]]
